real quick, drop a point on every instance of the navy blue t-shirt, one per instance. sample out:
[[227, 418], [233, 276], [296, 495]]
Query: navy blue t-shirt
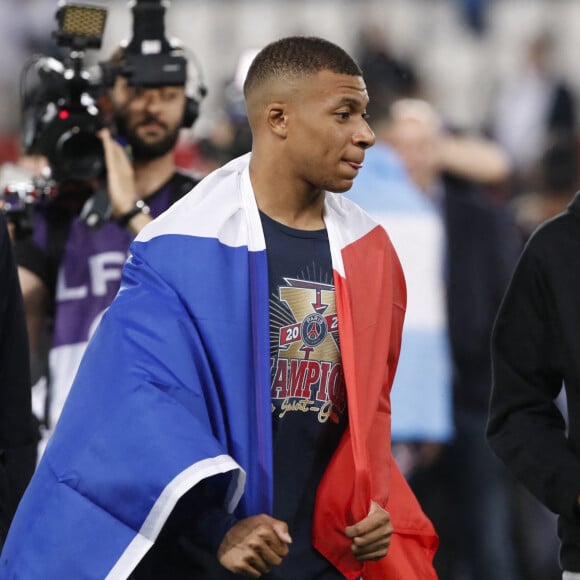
[[309, 416], [308, 394]]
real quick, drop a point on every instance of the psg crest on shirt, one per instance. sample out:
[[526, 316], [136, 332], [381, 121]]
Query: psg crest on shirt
[[314, 329]]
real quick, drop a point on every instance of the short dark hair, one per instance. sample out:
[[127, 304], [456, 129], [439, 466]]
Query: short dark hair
[[298, 55]]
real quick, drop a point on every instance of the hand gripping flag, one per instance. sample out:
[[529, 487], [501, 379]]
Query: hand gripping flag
[[370, 314], [175, 388]]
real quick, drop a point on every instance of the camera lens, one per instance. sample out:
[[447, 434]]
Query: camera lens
[[78, 156]]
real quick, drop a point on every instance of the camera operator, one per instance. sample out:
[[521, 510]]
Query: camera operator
[[70, 270]]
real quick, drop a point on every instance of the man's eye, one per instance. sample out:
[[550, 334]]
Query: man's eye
[[343, 116], [170, 95], [366, 116]]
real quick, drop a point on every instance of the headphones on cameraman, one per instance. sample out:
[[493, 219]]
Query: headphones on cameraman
[[193, 94], [190, 112]]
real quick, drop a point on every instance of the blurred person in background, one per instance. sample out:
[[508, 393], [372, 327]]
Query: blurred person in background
[[465, 490], [385, 71], [475, 14], [230, 135], [69, 269], [18, 429], [553, 188], [421, 395], [529, 109]]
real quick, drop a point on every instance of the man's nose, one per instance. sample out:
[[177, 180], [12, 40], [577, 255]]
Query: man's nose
[[364, 137], [152, 98]]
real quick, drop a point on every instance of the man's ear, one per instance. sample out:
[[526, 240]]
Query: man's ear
[[277, 119]]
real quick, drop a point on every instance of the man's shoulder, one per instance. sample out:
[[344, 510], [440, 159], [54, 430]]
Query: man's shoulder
[[350, 223], [350, 215], [553, 246], [565, 224], [204, 208]]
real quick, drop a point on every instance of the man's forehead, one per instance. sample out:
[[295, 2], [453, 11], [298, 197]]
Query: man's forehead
[[342, 88], [327, 75], [300, 86], [339, 82]]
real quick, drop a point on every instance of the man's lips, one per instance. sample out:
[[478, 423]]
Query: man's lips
[[354, 164], [151, 125]]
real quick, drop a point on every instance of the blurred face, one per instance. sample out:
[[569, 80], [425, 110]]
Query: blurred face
[[149, 118], [327, 130], [416, 143]]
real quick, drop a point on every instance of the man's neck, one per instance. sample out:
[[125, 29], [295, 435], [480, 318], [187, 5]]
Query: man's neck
[[151, 175], [299, 218], [282, 201]]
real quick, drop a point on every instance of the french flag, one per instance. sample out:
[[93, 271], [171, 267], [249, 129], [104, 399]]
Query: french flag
[[174, 389]]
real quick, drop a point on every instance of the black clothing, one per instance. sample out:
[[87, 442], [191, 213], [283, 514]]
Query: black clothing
[[562, 112], [18, 431], [302, 444], [535, 346], [483, 245]]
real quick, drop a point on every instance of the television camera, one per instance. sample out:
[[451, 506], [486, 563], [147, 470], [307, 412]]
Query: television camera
[[61, 112]]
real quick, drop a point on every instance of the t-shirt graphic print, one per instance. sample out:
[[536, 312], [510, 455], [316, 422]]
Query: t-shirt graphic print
[[307, 372], [309, 407]]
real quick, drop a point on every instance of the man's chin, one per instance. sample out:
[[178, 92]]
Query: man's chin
[[147, 150], [342, 187], [152, 135]]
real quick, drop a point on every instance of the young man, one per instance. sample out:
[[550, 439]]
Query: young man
[[534, 356], [70, 272], [244, 369]]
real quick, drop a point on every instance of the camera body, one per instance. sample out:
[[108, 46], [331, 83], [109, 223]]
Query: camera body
[[60, 114], [61, 118]]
